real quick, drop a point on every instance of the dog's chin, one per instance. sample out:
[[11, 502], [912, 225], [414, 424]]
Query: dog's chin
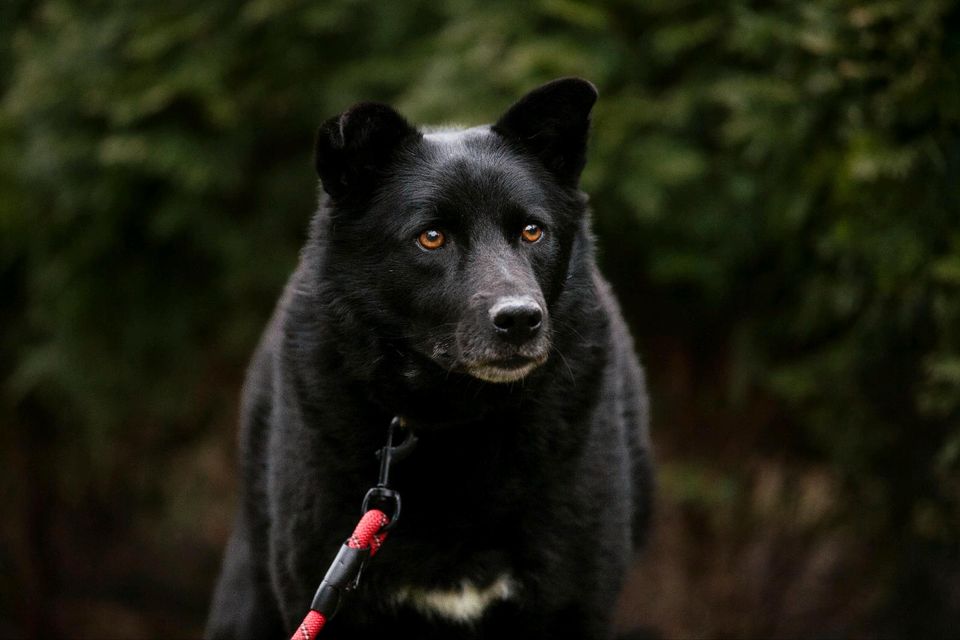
[[504, 371]]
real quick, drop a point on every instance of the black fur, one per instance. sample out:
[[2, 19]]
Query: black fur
[[546, 478]]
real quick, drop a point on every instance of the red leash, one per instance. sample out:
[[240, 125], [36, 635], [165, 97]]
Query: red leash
[[366, 539], [344, 574]]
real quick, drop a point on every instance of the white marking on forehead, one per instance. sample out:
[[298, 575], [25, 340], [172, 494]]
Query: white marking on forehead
[[453, 146], [452, 142], [466, 604], [452, 133], [446, 135]]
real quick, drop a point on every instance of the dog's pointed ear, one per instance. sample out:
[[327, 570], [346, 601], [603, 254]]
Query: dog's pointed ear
[[353, 146], [552, 123]]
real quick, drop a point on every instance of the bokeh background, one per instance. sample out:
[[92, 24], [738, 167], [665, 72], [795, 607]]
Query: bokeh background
[[776, 190]]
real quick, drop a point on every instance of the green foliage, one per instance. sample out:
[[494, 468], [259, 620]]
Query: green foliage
[[778, 182]]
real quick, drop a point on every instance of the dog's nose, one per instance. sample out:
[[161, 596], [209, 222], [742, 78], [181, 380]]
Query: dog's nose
[[516, 319]]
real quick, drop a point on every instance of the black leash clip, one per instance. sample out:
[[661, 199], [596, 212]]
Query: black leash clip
[[382, 496], [342, 576]]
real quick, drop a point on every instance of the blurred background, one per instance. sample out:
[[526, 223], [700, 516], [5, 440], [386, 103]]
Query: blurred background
[[776, 190]]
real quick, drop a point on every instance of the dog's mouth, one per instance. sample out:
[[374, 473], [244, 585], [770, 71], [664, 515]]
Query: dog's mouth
[[503, 370]]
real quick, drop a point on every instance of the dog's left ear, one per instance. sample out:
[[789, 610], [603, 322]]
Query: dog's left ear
[[551, 122], [352, 147]]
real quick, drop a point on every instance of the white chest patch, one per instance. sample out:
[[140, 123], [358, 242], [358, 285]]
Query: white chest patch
[[464, 604]]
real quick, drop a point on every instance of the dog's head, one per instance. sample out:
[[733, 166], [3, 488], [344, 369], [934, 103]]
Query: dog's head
[[454, 244]]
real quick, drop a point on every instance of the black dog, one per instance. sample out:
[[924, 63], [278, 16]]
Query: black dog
[[449, 278]]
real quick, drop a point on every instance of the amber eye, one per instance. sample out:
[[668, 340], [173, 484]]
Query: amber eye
[[431, 239], [531, 233]]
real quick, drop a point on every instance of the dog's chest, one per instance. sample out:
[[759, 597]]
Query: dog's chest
[[464, 603]]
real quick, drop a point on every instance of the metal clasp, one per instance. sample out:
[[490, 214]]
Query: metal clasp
[[381, 495]]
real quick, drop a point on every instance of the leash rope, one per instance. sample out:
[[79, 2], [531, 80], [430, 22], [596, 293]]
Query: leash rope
[[367, 538]]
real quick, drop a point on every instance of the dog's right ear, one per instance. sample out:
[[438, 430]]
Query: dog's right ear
[[352, 147], [551, 122]]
